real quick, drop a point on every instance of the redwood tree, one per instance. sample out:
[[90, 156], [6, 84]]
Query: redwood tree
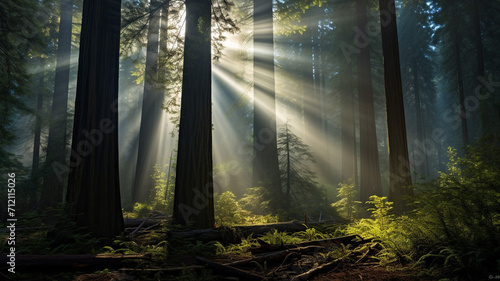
[[93, 185], [53, 182], [370, 182], [265, 163], [152, 103], [400, 181], [193, 199]]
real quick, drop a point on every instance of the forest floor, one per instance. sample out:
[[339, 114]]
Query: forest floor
[[371, 272], [184, 259], [344, 272]]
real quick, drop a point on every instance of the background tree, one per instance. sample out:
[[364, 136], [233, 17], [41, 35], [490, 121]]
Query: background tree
[[265, 163], [193, 199], [53, 183], [417, 74], [400, 181], [152, 106], [18, 30], [345, 24], [298, 181], [93, 185], [370, 182], [450, 36]]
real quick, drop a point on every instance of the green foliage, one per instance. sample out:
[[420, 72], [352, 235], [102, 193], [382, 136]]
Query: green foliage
[[229, 212], [240, 249], [163, 202], [256, 201], [299, 183], [273, 237], [159, 200], [20, 22], [310, 234], [455, 224], [52, 232], [279, 238], [290, 15], [391, 232], [153, 243], [457, 215], [140, 210], [197, 248], [347, 205]]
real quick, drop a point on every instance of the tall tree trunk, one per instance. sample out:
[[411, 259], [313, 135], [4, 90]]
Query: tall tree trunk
[[265, 163], [54, 177], [319, 139], [193, 199], [35, 173], [461, 94], [152, 101], [347, 108], [308, 95], [400, 178], [370, 183], [163, 52], [478, 43], [348, 134], [288, 168], [36, 140], [93, 183], [420, 168]]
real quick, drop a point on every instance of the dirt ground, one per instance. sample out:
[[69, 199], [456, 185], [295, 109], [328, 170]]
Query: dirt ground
[[371, 272]]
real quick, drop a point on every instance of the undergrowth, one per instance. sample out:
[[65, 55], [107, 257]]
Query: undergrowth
[[229, 211], [51, 232], [454, 227]]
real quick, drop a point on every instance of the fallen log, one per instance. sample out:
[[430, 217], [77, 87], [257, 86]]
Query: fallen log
[[134, 223], [348, 239], [245, 275], [317, 270], [139, 227], [44, 263], [176, 269], [234, 234], [275, 256]]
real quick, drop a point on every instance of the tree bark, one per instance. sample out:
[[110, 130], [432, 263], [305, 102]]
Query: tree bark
[[370, 183], [288, 168], [265, 162], [420, 168], [400, 175], [193, 199], [481, 72], [35, 173], [347, 109], [461, 94], [93, 185], [348, 134], [54, 178]]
